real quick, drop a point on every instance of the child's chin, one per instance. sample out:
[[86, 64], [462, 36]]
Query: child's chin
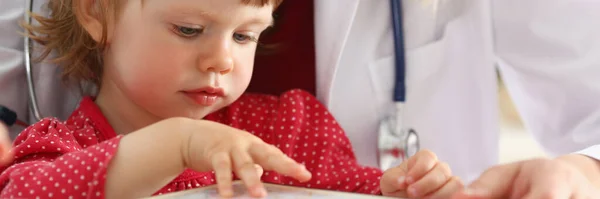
[[199, 113]]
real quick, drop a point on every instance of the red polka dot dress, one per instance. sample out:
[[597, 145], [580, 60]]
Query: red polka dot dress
[[55, 159]]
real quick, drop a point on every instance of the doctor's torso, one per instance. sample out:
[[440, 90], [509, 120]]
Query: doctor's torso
[[450, 79]]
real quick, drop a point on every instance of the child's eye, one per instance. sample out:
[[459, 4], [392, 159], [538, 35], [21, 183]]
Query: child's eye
[[242, 39], [186, 31]]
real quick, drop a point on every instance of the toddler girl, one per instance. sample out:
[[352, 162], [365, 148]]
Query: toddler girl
[[170, 113]]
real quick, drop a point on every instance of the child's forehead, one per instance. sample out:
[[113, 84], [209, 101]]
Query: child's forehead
[[210, 6], [253, 3], [257, 10]]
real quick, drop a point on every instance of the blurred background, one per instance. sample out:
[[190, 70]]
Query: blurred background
[[516, 143]]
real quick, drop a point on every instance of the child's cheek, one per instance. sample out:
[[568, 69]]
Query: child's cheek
[[242, 81], [158, 65], [243, 69]]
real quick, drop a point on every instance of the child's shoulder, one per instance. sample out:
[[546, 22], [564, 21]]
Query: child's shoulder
[[51, 136], [45, 126], [50, 128], [85, 127]]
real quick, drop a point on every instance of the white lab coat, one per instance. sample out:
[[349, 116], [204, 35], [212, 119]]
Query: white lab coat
[[547, 50], [12, 74], [56, 100], [11, 57]]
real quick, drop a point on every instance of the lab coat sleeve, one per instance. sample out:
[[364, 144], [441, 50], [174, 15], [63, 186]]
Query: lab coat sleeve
[[548, 53], [12, 72]]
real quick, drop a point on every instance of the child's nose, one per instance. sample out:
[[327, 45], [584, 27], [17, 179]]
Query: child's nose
[[218, 59]]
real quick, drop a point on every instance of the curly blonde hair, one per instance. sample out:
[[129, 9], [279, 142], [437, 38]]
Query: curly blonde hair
[[77, 53]]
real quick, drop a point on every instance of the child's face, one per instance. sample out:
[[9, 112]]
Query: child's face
[[183, 57]]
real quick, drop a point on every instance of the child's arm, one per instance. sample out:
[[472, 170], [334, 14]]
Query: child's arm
[[147, 160], [150, 158], [51, 163]]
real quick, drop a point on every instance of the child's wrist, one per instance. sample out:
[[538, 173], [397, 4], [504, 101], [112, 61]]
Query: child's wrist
[[183, 128]]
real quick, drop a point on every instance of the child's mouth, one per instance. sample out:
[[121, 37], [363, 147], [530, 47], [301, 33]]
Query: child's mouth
[[207, 96]]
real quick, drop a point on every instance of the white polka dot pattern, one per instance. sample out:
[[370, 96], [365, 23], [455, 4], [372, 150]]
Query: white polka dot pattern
[[52, 162], [69, 160], [302, 128]]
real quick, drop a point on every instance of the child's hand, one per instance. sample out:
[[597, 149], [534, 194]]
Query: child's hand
[[214, 146], [5, 146], [421, 176]]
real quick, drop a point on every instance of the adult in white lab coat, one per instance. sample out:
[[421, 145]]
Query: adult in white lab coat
[[547, 50]]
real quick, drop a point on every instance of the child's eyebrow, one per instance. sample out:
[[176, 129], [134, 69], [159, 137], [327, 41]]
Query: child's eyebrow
[[269, 23], [195, 12]]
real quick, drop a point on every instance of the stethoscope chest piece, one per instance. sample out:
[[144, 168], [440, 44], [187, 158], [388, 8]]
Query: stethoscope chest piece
[[396, 143]]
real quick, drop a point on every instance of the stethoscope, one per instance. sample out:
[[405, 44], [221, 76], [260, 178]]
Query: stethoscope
[[28, 66], [396, 141], [7, 116]]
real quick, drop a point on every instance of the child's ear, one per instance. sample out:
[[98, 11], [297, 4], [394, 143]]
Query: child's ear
[[90, 15]]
